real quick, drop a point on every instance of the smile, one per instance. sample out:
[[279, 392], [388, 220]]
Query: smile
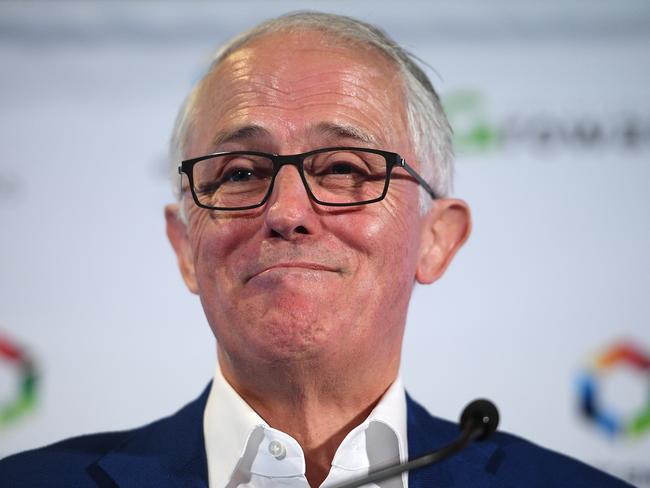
[[293, 267]]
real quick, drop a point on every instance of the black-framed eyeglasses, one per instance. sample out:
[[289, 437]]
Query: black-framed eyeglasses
[[333, 176]]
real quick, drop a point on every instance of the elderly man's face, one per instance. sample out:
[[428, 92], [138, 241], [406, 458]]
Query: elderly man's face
[[293, 280]]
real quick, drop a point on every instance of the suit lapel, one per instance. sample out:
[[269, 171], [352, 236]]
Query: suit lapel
[[169, 452], [427, 433]]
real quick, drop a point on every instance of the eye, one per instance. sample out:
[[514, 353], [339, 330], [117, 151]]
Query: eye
[[245, 169], [342, 169], [238, 174], [337, 164]]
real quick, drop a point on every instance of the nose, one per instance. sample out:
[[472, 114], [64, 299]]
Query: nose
[[290, 212]]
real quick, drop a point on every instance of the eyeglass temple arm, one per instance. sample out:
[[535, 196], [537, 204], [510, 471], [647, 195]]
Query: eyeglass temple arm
[[180, 179], [419, 179]]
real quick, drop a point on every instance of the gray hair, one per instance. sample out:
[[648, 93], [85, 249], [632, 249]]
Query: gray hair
[[429, 129]]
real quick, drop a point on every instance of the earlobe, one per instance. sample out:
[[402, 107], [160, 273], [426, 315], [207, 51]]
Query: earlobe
[[447, 227], [177, 234]]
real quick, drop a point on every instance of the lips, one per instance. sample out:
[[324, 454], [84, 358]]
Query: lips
[[292, 265]]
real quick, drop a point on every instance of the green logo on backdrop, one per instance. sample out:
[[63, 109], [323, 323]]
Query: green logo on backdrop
[[476, 130], [468, 116], [24, 397]]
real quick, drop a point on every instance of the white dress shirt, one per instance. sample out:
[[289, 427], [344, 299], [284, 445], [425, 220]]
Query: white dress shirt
[[243, 451]]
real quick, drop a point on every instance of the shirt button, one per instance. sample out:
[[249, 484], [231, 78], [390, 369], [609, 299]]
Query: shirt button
[[277, 450]]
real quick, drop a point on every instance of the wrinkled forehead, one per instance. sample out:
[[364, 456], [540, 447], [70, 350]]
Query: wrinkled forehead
[[280, 49], [302, 70]]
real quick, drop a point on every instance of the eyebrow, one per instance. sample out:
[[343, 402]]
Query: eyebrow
[[328, 129], [245, 133], [340, 131]]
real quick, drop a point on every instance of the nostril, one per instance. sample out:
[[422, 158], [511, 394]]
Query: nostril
[[301, 229]]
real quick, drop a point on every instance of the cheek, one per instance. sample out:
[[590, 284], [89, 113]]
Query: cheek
[[215, 243], [397, 223], [386, 243]]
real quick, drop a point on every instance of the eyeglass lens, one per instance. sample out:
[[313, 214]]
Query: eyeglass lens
[[337, 176]]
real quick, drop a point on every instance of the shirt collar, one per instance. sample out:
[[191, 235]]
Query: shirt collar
[[234, 434], [228, 423]]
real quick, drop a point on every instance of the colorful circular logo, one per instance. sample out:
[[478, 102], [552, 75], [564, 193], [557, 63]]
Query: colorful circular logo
[[595, 408], [25, 398]]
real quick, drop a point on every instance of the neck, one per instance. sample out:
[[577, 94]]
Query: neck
[[317, 403]]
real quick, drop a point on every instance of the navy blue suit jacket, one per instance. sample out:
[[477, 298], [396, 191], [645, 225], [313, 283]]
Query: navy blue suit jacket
[[170, 452]]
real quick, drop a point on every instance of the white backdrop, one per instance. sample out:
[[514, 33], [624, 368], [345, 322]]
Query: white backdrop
[[551, 107]]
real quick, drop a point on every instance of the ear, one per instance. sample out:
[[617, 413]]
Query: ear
[[178, 237], [446, 227]]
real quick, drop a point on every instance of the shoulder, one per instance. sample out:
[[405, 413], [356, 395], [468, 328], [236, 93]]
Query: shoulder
[[506, 458], [70, 460], [516, 457], [82, 461]]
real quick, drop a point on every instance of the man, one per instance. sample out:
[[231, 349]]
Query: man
[[314, 194]]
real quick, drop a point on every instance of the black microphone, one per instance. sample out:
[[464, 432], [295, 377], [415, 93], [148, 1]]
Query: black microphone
[[478, 421]]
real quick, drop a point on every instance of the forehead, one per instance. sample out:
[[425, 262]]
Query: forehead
[[291, 82]]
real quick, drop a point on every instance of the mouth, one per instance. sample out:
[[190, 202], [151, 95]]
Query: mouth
[[292, 266]]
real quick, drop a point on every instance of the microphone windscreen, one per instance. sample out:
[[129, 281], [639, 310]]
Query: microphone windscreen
[[480, 413]]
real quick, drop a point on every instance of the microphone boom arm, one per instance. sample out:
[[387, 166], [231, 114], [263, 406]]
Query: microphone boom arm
[[478, 421]]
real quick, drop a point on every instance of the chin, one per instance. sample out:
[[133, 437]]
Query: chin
[[293, 336]]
